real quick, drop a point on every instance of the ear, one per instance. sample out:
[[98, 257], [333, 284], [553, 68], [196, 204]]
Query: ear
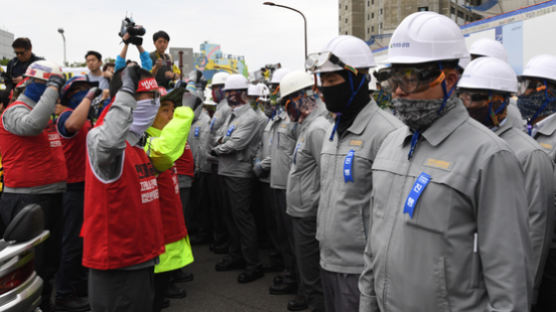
[[452, 78]]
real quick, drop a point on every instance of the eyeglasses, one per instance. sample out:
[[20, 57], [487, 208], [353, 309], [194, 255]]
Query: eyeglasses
[[528, 85], [315, 61], [20, 52], [413, 79]]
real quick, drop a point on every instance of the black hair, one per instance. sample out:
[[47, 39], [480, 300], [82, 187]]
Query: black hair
[[95, 53], [116, 82], [109, 64], [22, 42], [161, 34]]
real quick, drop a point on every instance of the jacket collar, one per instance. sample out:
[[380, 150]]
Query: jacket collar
[[362, 119]]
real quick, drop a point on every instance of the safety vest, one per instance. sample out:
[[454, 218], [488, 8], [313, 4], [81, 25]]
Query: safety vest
[[121, 222], [171, 206], [30, 161], [75, 151]]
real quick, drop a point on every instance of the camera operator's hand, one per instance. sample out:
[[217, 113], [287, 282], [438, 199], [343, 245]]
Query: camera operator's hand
[[93, 93], [56, 81], [125, 38], [130, 79]]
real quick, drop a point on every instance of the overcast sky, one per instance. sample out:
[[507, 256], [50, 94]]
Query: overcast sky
[[263, 34]]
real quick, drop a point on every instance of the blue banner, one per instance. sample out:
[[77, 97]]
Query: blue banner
[[418, 188], [348, 166]]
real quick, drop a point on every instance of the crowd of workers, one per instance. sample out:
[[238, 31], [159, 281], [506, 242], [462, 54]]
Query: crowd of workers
[[425, 185]]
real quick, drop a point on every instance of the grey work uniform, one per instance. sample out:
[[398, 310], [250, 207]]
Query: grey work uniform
[[344, 198], [544, 132], [463, 244], [302, 198], [539, 187], [236, 150], [282, 146], [513, 115]]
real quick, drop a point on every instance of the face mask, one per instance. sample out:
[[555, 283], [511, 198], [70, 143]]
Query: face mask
[[77, 98], [143, 115], [420, 114], [481, 114], [217, 95], [234, 98], [336, 97], [269, 109], [34, 90], [529, 105], [253, 103]]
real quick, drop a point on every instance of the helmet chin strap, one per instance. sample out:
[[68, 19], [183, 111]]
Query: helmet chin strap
[[446, 93]]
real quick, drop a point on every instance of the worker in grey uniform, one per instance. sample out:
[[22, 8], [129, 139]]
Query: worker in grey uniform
[[34, 163], [487, 85], [223, 110], [305, 108], [494, 48], [235, 151], [347, 155], [537, 103], [282, 146], [448, 230]]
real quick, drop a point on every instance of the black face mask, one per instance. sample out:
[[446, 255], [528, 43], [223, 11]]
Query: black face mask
[[336, 97], [481, 114]]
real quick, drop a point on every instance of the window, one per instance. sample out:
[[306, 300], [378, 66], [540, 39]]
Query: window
[[452, 10], [373, 2], [368, 17], [346, 20], [368, 30], [368, 3], [460, 14], [372, 29], [346, 7], [373, 15], [380, 11], [380, 26], [423, 8], [346, 32]]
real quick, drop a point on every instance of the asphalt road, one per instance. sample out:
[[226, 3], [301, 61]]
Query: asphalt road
[[219, 291]]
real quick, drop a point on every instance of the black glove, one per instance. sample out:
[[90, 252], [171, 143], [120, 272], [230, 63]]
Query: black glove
[[190, 100], [56, 81], [213, 153], [130, 79], [93, 93]]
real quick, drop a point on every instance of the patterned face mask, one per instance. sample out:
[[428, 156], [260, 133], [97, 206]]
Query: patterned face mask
[[420, 114]]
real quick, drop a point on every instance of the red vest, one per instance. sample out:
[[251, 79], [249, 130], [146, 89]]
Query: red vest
[[185, 164], [170, 206], [121, 221], [32, 160], [75, 150]]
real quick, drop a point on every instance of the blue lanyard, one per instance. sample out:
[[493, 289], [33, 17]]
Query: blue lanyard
[[414, 140], [348, 167], [418, 188], [212, 123], [230, 130], [197, 130]]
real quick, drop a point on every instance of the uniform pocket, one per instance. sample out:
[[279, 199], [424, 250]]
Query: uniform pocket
[[439, 272]]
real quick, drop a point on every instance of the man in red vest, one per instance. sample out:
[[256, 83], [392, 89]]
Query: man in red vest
[[122, 227], [33, 161]]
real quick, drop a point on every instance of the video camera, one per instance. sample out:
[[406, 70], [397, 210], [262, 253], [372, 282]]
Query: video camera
[[135, 31]]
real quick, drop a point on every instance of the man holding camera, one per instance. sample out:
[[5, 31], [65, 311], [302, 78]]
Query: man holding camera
[[163, 69]]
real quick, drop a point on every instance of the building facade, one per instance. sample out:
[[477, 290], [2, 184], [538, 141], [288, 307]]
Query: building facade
[[375, 20]]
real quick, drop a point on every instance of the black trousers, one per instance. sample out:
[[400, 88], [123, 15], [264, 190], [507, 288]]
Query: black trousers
[[47, 254], [306, 250], [161, 282], [284, 231], [546, 300], [121, 290], [270, 222], [341, 291], [212, 200], [71, 278], [240, 220]]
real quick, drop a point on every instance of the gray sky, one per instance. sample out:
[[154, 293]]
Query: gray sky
[[263, 34]]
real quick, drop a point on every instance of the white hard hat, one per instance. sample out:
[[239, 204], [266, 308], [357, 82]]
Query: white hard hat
[[489, 47], [209, 102], [252, 90], [541, 66], [426, 37], [278, 74], [489, 73], [219, 78], [236, 82], [349, 50], [295, 81], [259, 90], [43, 70], [374, 81]]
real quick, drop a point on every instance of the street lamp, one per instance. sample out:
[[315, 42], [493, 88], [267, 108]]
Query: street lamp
[[61, 31], [304, 19]]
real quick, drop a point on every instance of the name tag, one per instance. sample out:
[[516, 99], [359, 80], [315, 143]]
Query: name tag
[[355, 143], [418, 188], [440, 164], [212, 123], [197, 130], [546, 145], [230, 130], [295, 152], [348, 167]]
